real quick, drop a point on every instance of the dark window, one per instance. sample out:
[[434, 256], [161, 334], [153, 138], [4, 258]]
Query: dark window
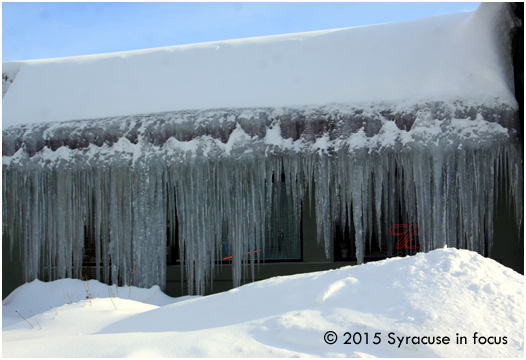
[[284, 232], [400, 241], [282, 236]]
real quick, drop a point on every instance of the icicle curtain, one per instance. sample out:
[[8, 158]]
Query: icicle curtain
[[126, 185], [49, 211]]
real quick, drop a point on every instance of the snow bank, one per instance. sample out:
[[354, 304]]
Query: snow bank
[[444, 293], [444, 58]]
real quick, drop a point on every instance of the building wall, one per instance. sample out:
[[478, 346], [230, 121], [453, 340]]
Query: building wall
[[11, 268], [508, 243]]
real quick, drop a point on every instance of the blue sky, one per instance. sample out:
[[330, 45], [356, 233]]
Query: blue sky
[[48, 30]]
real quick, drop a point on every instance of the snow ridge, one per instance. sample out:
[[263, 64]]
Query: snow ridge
[[456, 57], [421, 295]]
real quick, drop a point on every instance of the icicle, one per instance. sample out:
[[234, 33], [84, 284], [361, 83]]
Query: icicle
[[154, 179]]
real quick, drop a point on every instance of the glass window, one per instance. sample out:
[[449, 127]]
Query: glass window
[[282, 235], [397, 239]]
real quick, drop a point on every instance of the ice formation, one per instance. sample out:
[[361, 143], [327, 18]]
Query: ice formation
[[130, 183], [122, 182]]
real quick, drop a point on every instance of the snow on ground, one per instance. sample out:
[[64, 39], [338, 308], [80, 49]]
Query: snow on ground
[[442, 293], [447, 58]]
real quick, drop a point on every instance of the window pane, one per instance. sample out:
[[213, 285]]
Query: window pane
[[283, 235]]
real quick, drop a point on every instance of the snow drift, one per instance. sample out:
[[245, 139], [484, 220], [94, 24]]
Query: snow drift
[[444, 293], [411, 122]]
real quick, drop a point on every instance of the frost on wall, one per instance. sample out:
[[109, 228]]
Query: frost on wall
[[125, 182]]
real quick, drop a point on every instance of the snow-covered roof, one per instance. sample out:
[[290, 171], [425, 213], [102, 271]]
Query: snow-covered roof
[[458, 57]]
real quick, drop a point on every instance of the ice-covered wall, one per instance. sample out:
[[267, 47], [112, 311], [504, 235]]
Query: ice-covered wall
[[125, 182]]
